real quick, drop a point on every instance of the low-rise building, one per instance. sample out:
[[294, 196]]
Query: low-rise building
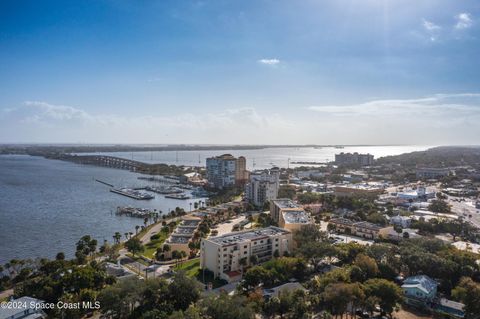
[[357, 189], [360, 229], [401, 221], [419, 288], [287, 287], [433, 172], [227, 255], [342, 225], [182, 235], [26, 307]]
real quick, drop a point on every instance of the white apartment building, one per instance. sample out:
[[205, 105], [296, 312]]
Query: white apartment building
[[263, 186], [223, 255], [225, 171]]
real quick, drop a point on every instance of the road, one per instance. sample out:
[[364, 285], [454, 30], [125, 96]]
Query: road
[[465, 209]]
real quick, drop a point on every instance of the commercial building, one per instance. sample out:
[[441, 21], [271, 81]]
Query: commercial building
[[360, 229], [226, 171], [354, 159], [226, 255], [433, 172], [263, 186], [357, 189]]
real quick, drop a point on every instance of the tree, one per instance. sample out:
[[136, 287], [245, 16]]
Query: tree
[[59, 256], [338, 295], [468, 292], [137, 227], [255, 276], [386, 291], [117, 237], [307, 234], [226, 307], [439, 206], [183, 291], [134, 245], [367, 265], [120, 299]]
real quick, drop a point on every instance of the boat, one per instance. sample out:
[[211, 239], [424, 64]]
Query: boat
[[132, 193], [177, 196]]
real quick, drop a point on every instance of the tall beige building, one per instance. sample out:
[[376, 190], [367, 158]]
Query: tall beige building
[[226, 171], [223, 255]]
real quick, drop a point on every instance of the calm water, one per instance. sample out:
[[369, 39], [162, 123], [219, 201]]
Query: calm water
[[265, 158], [47, 205]]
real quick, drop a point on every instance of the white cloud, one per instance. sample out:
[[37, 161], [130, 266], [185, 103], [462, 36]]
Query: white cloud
[[435, 105], [53, 122], [464, 21], [271, 62], [430, 26], [432, 29]]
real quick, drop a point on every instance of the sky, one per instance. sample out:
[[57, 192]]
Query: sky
[[240, 72]]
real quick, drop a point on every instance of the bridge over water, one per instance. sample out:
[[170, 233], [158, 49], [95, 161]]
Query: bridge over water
[[108, 161]]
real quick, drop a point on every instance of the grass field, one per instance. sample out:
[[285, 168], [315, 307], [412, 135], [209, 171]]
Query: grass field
[[151, 247], [192, 269]]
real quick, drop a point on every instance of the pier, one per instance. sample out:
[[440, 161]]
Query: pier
[[132, 193], [104, 183]]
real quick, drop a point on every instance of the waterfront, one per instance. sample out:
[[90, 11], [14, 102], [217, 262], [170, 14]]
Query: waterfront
[[264, 158], [47, 205]]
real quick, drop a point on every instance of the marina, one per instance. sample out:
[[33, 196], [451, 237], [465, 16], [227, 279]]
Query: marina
[[134, 212], [132, 193], [177, 196]]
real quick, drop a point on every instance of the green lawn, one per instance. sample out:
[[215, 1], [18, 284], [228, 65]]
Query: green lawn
[[151, 247], [192, 269]]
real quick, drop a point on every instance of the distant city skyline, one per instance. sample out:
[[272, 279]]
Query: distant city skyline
[[246, 72]]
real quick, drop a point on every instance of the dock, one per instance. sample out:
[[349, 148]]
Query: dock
[[132, 193], [104, 183]]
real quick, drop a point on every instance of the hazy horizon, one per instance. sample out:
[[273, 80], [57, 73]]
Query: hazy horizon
[[328, 72]]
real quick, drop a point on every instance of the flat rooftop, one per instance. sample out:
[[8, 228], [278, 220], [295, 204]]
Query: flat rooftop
[[190, 223], [248, 235], [295, 216], [284, 203], [178, 239], [358, 186]]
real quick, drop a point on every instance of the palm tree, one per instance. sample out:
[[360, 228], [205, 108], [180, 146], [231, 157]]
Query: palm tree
[[136, 229], [117, 237], [126, 236], [145, 221]]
